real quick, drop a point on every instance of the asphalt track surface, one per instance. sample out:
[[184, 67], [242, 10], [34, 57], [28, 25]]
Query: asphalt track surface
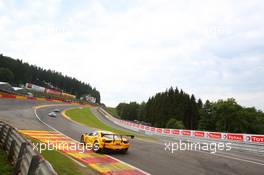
[[149, 156]]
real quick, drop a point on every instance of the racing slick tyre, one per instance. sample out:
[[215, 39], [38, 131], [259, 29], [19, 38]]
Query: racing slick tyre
[[82, 139]]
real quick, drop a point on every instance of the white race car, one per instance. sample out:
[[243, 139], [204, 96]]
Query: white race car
[[52, 114], [56, 110]]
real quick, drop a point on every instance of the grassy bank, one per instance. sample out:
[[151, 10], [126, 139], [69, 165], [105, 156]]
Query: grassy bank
[[5, 166]]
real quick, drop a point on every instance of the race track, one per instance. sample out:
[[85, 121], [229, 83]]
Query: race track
[[149, 156]]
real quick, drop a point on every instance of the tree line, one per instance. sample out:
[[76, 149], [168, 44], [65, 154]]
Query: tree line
[[17, 72], [229, 116], [176, 109]]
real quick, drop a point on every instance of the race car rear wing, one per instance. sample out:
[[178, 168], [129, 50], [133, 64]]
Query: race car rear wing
[[121, 135]]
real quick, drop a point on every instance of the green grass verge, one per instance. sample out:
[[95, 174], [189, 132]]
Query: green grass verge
[[63, 164], [86, 117], [5, 166], [112, 111]]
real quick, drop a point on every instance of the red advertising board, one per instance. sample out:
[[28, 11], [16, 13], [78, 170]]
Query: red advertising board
[[159, 130], [199, 134], [51, 91], [147, 128], [152, 129], [176, 132], [257, 139], [142, 126], [214, 135], [186, 133], [166, 131], [237, 137]]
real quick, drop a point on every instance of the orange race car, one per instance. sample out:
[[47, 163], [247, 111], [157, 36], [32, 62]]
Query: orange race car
[[105, 140]]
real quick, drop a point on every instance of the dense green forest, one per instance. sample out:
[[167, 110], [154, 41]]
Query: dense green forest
[[177, 109], [17, 72]]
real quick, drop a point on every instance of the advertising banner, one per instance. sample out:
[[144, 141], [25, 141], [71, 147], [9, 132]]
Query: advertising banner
[[176, 132], [214, 135], [186, 133], [51, 91], [199, 134], [257, 139], [237, 137]]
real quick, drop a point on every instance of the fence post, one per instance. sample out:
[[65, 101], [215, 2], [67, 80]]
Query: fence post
[[7, 137], [2, 134], [33, 165], [19, 158], [11, 151]]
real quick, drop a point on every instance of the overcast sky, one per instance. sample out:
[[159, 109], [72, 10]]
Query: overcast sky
[[131, 49]]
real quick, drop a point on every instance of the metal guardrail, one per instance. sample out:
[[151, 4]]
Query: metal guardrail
[[20, 153]]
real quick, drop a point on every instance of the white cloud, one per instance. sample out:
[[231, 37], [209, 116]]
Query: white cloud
[[131, 50]]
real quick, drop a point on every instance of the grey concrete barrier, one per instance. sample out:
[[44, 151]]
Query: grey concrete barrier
[[20, 153]]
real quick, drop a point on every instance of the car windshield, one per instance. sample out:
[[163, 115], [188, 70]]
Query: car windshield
[[111, 136]]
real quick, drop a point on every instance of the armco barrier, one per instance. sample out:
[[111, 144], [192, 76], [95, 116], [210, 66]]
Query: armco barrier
[[20, 153], [239, 139]]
